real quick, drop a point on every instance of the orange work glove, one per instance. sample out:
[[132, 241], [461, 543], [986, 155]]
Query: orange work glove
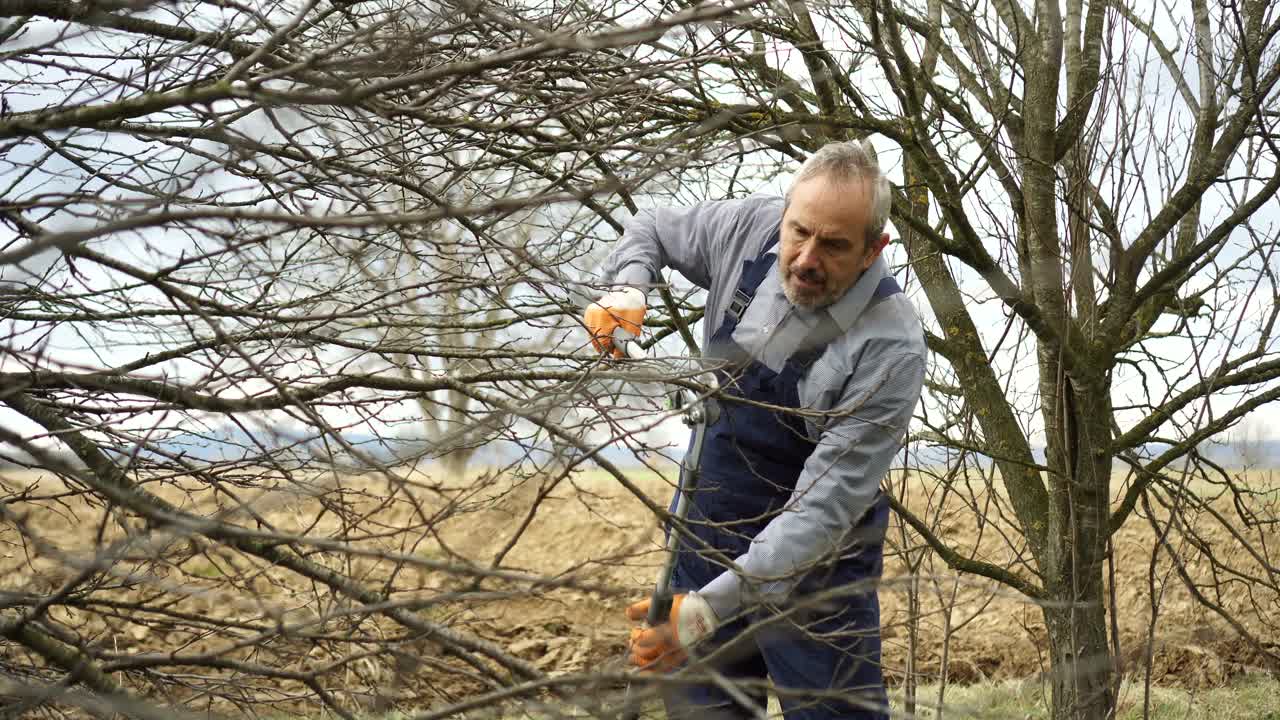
[[619, 309], [664, 647]]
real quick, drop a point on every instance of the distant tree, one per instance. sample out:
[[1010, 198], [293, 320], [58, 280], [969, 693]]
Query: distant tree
[[1247, 440]]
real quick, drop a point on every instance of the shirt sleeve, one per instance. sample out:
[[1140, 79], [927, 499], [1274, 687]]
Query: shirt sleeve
[[691, 240], [837, 485]]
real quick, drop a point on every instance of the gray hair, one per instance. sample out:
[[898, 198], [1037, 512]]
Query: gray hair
[[847, 161]]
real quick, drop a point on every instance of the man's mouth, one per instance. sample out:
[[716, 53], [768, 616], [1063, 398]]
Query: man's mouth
[[806, 280]]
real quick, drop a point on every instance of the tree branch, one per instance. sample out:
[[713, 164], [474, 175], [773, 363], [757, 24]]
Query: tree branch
[[964, 564]]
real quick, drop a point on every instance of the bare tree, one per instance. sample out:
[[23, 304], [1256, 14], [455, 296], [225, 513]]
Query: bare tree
[[247, 250], [246, 247], [1078, 198]]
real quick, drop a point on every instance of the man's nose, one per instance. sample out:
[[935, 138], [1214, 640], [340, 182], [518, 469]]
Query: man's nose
[[806, 257]]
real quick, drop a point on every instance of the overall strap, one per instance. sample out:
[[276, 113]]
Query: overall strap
[[753, 273], [888, 286]]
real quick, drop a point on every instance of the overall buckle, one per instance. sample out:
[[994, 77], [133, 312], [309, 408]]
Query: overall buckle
[[738, 305]]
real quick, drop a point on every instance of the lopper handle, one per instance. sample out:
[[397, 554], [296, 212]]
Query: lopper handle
[[659, 607]]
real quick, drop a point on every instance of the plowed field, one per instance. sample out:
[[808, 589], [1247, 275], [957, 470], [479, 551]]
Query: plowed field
[[591, 532]]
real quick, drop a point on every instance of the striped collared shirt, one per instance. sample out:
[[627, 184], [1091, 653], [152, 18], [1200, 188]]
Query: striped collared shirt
[[866, 383]]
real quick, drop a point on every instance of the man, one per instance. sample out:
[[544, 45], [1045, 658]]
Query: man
[[802, 313]]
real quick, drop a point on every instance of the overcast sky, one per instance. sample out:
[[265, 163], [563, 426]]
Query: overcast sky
[[1155, 94]]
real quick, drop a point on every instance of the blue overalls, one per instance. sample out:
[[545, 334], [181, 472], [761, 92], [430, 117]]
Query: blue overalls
[[823, 658]]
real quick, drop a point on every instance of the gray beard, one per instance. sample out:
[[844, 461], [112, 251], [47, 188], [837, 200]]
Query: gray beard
[[816, 304], [823, 300]]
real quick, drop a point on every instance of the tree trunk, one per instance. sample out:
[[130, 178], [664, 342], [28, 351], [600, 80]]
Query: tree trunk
[[454, 464], [1082, 670], [1081, 665], [1080, 658]]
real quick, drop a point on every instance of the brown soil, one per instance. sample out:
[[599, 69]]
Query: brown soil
[[595, 534], [603, 533]]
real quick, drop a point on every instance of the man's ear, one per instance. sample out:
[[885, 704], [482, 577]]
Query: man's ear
[[876, 248]]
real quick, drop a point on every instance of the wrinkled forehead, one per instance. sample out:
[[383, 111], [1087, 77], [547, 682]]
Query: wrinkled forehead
[[831, 204]]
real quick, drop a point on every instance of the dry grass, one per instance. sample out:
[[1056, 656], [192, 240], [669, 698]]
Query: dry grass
[[1251, 697], [591, 529]]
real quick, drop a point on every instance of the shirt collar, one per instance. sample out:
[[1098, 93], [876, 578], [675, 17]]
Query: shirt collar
[[849, 307]]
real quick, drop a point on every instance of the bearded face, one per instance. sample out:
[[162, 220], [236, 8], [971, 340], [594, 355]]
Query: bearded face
[[823, 244]]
